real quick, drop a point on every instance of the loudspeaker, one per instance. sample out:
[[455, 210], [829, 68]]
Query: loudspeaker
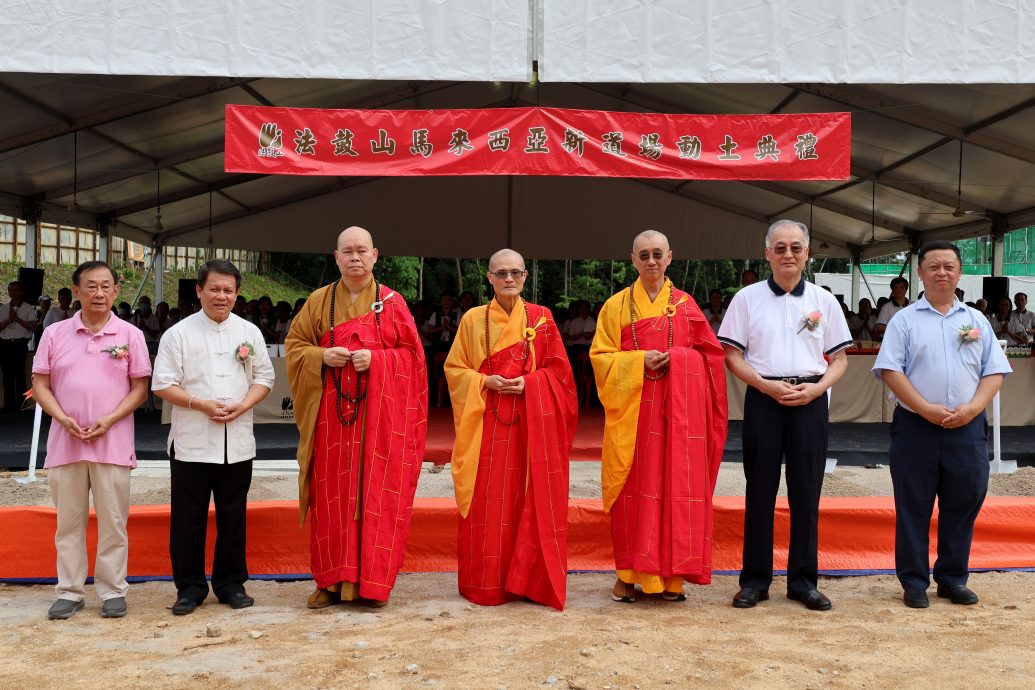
[[992, 288], [188, 291], [31, 280]]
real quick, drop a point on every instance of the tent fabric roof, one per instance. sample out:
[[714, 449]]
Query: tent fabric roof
[[606, 41], [89, 149]]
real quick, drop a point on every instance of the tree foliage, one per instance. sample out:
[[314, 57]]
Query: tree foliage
[[553, 282]]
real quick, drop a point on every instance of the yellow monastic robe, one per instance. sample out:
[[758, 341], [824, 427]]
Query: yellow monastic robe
[[619, 379], [305, 365], [467, 384]]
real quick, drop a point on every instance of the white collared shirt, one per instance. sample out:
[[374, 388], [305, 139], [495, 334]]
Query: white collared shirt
[[200, 356], [888, 310], [767, 325], [56, 314], [14, 330], [928, 348], [1022, 321]]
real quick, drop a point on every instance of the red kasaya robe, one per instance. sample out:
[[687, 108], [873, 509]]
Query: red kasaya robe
[[658, 484], [382, 450], [511, 480]]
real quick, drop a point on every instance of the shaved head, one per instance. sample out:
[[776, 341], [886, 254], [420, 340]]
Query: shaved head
[[355, 256], [506, 255], [355, 233], [652, 236]]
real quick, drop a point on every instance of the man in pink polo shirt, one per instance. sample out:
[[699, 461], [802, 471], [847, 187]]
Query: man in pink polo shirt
[[89, 374]]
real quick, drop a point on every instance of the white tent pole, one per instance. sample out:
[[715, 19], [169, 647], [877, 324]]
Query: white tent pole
[[999, 466], [37, 421]]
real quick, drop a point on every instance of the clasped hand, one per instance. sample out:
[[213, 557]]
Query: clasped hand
[[217, 410], [949, 418], [793, 396], [655, 360], [94, 431], [340, 356], [505, 386]]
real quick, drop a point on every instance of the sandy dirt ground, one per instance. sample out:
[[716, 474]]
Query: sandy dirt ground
[[429, 637]]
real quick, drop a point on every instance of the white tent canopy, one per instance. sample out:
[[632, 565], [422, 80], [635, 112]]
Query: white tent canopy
[[83, 142], [708, 41]]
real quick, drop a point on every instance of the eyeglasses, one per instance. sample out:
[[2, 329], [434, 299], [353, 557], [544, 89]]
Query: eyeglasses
[[515, 274], [796, 249]]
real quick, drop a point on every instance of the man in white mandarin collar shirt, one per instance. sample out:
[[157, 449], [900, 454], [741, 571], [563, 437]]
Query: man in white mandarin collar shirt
[[214, 368]]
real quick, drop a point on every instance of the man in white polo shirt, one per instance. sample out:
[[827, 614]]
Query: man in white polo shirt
[[778, 336]]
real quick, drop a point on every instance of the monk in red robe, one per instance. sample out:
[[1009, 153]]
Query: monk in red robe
[[357, 373], [515, 409], [660, 376]]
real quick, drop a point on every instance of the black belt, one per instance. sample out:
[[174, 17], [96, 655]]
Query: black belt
[[794, 380]]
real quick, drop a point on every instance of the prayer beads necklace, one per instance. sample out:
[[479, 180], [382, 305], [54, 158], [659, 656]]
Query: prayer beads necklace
[[632, 326], [354, 399], [494, 399]]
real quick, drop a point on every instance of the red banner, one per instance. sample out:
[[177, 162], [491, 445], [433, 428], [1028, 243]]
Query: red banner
[[537, 141]]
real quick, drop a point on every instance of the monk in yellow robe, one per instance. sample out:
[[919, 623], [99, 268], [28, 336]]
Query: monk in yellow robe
[[660, 377], [357, 373], [515, 410]]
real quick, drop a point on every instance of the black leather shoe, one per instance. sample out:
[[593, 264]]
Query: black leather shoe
[[747, 597], [184, 606], [916, 598], [813, 599], [238, 600], [957, 594]]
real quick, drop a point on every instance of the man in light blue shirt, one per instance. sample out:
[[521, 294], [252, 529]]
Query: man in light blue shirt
[[943, 364]]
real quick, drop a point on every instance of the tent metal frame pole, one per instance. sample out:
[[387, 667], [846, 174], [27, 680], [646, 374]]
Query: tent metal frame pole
[[873, 298], [155, 250], [159, 270], [856, 271]]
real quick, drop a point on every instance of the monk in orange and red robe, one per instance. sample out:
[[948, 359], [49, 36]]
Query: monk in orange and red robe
[[515, 410], [660, 376], [357, 373]]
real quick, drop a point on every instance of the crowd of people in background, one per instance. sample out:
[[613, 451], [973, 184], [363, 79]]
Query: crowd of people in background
[[1011, 321]]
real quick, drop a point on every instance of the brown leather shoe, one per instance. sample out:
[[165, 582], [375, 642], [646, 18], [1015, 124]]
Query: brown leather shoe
[[322, 598]]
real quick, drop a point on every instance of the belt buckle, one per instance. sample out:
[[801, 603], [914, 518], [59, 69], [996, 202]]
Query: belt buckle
[[791, 380]]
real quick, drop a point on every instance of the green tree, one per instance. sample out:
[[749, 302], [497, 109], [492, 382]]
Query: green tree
[[400, 273]]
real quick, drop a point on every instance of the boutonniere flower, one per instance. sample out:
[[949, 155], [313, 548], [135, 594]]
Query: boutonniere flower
[[245, 351], [968, 334], [810, 321], [118, 351]]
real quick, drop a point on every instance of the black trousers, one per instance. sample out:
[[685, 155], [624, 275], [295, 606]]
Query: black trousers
[[774, 433], [12, 359], [193, 483], [929, 461]]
